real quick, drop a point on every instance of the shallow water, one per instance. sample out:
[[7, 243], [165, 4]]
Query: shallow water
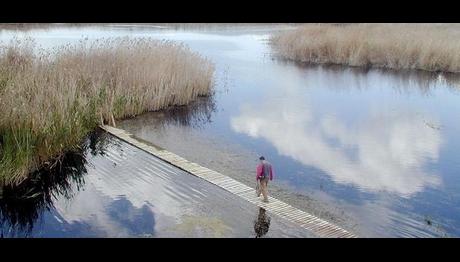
[[112, 189], [375, 151]]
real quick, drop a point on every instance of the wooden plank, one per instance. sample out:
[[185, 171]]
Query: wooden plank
[[310, 222]]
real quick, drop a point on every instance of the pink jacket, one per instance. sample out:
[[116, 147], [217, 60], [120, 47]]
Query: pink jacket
[[260, 171]]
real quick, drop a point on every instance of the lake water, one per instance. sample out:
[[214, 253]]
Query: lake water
[[375, 151], [113, 189]]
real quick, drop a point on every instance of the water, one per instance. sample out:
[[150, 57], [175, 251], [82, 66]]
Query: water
[[374, 151], [112, 189]]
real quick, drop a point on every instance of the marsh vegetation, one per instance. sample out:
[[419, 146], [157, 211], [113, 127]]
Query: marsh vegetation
[[430, 47], [51, 99]]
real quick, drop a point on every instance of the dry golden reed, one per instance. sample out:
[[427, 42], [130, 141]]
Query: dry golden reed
[[431, 47], [51, 99]]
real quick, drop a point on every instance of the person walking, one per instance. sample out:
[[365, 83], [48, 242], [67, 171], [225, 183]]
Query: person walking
[[264, 172]]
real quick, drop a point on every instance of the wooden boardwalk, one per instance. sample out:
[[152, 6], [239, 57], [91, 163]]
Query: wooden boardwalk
[[317, 226]]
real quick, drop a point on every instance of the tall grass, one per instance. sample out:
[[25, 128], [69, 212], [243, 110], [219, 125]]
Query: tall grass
[[431, 47], [51, 99]]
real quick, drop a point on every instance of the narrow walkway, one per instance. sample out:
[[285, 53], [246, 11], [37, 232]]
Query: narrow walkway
[[319, 227]]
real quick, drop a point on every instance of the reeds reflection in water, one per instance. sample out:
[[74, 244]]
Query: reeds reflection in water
[[21, 205]]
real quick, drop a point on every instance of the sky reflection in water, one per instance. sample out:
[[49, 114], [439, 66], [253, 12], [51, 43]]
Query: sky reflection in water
[[381, 144], [383, 151]]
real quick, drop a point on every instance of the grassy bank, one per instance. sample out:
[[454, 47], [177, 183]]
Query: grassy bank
[[431, 47], [51, 99]]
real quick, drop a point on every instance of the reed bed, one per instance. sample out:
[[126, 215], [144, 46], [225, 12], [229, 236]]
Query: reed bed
[[51, 99], [430, 47]]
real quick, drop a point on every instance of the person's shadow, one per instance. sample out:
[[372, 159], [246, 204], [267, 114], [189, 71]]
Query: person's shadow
[[262, 223]]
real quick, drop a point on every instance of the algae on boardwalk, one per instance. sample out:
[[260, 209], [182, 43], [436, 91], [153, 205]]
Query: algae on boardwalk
[[430, 47], [51, 99]]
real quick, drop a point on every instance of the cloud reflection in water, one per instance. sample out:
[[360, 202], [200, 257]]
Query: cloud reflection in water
[[385, 151]]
